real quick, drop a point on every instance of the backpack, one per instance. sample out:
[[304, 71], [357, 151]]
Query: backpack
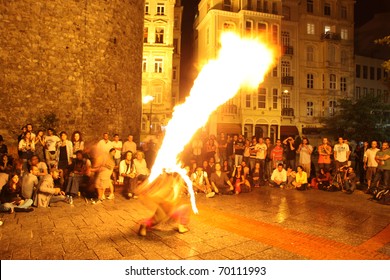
[[385, 199], [382, 194]]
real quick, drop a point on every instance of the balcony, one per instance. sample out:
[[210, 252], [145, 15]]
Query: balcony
[[331, 36], [288, 50], [288, 112], [288, 80]]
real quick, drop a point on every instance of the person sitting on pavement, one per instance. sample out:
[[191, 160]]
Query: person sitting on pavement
[[12, 199], [322, 181], [47, 192], [291, 174], [220, 181], [300, 182], [41, 165], [30, 182], [200, 182], [279, 177], [350, 180]]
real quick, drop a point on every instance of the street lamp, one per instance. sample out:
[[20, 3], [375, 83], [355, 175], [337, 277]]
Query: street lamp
[[145, 100]]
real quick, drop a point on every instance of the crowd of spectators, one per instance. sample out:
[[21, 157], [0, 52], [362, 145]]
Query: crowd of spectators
[[51, 167]]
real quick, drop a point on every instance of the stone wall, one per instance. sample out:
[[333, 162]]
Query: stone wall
[[79, 59]]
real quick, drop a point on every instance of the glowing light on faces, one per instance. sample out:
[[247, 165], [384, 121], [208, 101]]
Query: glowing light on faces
[[241, 63]]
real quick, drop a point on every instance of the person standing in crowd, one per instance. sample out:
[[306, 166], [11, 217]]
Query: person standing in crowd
[[268, 160], [261, 154], [305, 150], [370, 164], [324, 153], [383, 171], [277, 154], [341, 153], [129, 145], [104, 168], [291, 154], [64, 154], [78, 142], [104, 145], [40, 145], [26, 148], [30, 129], [51, 148], [3, 147], [252, 152], [239, 146], [211, 149], [222, 146], [197, 147], [230, 151]]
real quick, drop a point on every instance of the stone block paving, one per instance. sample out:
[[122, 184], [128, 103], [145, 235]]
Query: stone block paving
[[268, 223]]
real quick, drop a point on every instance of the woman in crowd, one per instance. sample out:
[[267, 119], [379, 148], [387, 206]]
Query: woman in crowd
[[6, 164], [64, 154], [12, 199], [77, 142], [26, 149], [256, 175], [141, 167], [40, 144], [300, 182], [226, 168], [211, 149]]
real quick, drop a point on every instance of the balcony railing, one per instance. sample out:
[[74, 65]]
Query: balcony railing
[[288, 50], [288, 80], [289, 112], [331, 36]]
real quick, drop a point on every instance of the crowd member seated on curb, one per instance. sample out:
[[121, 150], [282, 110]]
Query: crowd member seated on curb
[[141, 167], [6, 164], [3, 180], [257, 174], [200, 182], [226, 168], [291, 174], [3, 147], [322, 181], [300, 182], [11, 197], [279, 177], [128, 172], [240, 179], [30, 182], [47, 192], [77, 175], [220, 181], [350, 180]]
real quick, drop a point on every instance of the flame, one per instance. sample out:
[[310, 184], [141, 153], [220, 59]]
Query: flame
[[241, 62]]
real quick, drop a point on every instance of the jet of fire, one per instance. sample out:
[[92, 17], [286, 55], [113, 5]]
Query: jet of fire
[[241, 62]]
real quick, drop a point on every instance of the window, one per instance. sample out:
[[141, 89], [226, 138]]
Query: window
[[332, 107], [228, 26], [160, 9], [309, 108], [285, 38], [248, 100], [365, 72], [258, 6], [326, 9], [372, 91], [275, 71], [310, 28], [146, 34], [274, 8], [227, 5], [309, 6], [158, 65], [249, 6], [265, 7], [386, 96], [365, 92], [285, 68], [174, 73], [379, 93], [372, 73], [378, 73], [248, 27], [146, 8], [343, 84], [357, 93], [176, 46], [262, 29], [286, 101], [158, 94], [275, 34], [144, 64], [286, 12], [358, 71], [310, 54], [332, 81], [343, 12], [275, 98], [344, 34], [310, 81], [261, 98], [159, 35]]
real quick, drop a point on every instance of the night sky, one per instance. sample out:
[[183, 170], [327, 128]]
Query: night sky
[[364, 11]]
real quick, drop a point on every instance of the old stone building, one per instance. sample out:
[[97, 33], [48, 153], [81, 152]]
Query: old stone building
[[79, 60]]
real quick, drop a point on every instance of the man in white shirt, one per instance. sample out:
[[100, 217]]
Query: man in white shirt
[[105, 145], [51, 141], [129, 145], [341, 153], [370, 164], [279, 177]]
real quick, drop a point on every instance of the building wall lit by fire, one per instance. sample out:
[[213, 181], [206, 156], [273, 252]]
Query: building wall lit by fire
[[315, 67], [161, 64]]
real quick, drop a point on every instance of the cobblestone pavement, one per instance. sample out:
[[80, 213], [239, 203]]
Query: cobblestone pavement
[[267, 223]]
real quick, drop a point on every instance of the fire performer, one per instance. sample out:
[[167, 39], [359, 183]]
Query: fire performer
[[164, 195]]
